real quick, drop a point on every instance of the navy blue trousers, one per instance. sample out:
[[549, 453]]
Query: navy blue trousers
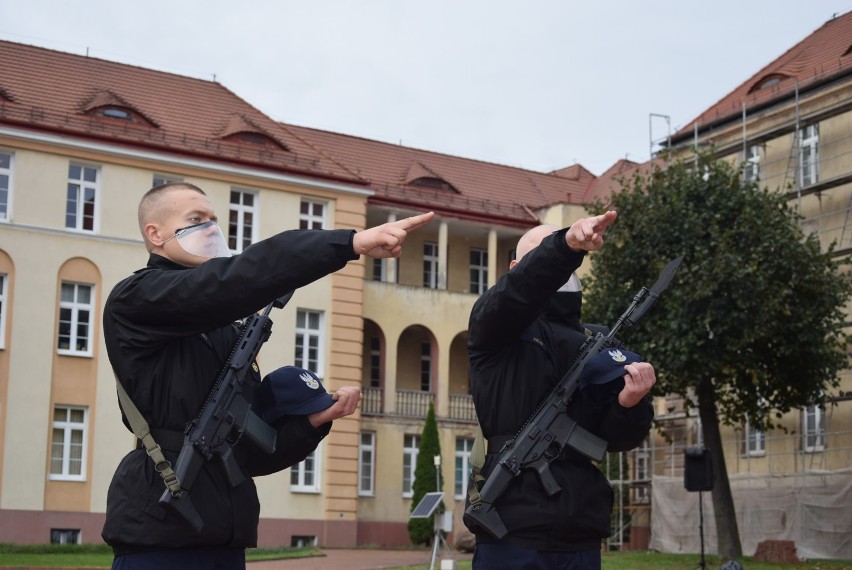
[[183, 559], [501, 557]]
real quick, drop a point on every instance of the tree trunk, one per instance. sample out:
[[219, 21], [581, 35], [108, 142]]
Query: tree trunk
[[727, 532]]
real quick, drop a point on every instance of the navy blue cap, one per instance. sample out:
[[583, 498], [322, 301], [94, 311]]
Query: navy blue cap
[[606, 366], [290, 391]]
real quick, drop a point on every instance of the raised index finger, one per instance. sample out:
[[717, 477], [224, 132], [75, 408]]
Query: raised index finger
[[604, 220], [414, 222]]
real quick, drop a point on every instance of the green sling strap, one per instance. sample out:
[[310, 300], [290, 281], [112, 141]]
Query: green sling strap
[[143, 432]]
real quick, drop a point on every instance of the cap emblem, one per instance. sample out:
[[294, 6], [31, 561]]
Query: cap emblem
[[617, 356], [309, 380]]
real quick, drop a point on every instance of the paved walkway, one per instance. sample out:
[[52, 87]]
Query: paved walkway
[[358, 559]]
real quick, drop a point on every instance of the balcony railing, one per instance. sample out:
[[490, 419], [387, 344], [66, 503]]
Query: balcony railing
[[371, 404], [415, 404], [461, 408]]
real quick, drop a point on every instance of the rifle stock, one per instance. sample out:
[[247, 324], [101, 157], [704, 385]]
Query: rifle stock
[[550, 429], [224, 419]]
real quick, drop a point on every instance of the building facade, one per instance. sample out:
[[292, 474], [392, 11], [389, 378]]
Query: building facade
[[82, 139], [787, 128]]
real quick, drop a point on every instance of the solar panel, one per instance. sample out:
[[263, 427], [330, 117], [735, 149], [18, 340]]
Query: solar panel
[[427, 505]]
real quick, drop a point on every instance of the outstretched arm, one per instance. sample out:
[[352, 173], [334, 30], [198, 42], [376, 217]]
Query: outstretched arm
[[386, 240]]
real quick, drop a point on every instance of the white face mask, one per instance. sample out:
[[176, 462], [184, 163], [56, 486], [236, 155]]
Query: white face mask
[[203, 240], [573, 285]]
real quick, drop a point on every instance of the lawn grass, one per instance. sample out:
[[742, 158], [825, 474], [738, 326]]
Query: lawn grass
[[100, 555], [659, 561]]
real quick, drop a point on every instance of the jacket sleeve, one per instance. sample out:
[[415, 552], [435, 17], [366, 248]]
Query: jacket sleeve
[[625, 428], [190, 301], [297, 438], [519, 296]]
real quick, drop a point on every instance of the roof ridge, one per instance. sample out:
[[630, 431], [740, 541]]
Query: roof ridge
[[415, 149], [762, 72]]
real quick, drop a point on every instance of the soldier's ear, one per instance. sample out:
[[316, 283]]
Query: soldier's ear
[[153, 235]]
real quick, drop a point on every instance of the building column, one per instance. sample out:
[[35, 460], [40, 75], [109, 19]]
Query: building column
[[390, 272], [442, 392], [442, 255], [492, 257], [390, 360]]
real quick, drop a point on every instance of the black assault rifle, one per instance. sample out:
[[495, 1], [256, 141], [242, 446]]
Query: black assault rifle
[[549, 430], [225, 417]]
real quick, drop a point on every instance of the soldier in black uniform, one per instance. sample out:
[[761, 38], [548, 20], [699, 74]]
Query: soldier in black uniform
[[524, 334], [169, 329]]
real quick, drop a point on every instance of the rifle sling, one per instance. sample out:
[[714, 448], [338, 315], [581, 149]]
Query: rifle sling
[[143, 433], [169, 440]]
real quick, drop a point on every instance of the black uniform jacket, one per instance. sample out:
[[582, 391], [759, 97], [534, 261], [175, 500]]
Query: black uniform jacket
[[168, 331], [523, 337]]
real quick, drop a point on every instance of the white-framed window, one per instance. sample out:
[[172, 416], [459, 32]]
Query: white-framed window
[[813, 429], [426, 366], [312, 215], [5, 185], [751, 164], [242, 217], [462, 468], [379, 269], [375, 361], [76, 319], [754, 440], [478, 271], [309, 341], [809, 155], [642, 461], [410, 449], [65, 536], [4, 287], [160, 179], [367, 464], [68, 443], [81, 202], [305, 475], [430, 265]]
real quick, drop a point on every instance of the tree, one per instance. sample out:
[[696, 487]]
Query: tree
[[752, 325], [421, 531]]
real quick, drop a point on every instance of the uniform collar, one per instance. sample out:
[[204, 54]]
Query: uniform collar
[[564, 309]]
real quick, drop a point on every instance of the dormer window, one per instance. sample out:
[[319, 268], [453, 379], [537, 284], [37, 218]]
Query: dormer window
[[120, 113], [249, 137], [768, 81], [116, 113], [432, 182]]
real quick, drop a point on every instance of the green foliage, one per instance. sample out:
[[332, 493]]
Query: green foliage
[[756, 308], [101, 556], [422, 531]]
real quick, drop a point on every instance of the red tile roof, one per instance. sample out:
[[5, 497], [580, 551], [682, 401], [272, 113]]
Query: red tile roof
[[475, 190], [52, 91], [824, 54], [48, 90]]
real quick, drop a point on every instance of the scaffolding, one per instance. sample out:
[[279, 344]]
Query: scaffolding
[[654, 510], [771, 146]]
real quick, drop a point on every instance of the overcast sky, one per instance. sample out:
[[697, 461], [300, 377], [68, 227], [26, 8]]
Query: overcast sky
[[537, 84]]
